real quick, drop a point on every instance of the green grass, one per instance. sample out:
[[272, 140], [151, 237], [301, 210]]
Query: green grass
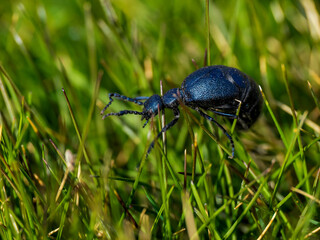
[[68, 174]]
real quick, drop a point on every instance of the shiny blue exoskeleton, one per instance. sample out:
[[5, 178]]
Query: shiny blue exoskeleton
[[219, 89]]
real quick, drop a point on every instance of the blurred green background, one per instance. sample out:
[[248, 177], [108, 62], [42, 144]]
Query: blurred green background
[[92, 48]]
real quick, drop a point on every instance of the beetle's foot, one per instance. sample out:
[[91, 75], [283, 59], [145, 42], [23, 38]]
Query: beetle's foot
[[145, 123]]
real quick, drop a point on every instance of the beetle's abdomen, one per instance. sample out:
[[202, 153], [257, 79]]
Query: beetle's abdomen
[[213, 86], [220, 88]]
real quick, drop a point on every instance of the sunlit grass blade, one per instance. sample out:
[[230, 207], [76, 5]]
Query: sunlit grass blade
[[189, 218], [315, 98], [153, 203], [276, 122], [122, 203], [246, 210], [202, 210], [82, 146], [286, 198], [63, 217], [268, 226], [6, 100], [301, 168], [89, 118], [284, 164], [159, 215]]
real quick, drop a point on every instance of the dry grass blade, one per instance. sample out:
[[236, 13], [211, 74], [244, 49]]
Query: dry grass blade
[[132, 220], [312, 198], [268, 226], [189, 218]]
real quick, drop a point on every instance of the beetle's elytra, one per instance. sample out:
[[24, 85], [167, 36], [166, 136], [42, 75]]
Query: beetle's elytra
[[218, 89]]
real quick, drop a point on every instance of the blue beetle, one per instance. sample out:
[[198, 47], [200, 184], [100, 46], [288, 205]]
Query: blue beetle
[[218, 89]]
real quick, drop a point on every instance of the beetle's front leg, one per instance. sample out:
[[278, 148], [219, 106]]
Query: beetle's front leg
[[165, 128]]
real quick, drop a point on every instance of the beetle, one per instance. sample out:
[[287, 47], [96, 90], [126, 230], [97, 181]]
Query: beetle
[[218, 89]]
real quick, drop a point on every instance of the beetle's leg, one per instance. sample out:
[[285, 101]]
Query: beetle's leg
[[122, 97], [145, 123], [165, 128], [218, 124], [229, 115], [124, 112]]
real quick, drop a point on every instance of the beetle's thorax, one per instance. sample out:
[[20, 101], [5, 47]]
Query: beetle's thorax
[[171, 98]]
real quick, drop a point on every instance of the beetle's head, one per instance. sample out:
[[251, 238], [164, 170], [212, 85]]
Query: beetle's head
[[151, 107]]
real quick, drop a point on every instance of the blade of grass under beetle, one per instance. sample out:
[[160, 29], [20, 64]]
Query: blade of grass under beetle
[[223, 207], [63, 217], [286, 198], [309, 212], [274, 119], [163, 187], [292, 159], [246, 210], [284, 164], [159, 215], [202, 210], [152, 201]]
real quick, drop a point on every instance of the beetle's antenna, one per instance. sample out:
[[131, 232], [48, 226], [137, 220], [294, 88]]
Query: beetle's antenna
[[165, 128], [124, 112], [124, 98], [141, 98], [218, 124]]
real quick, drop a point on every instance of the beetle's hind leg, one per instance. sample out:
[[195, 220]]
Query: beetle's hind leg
[[124, 98], [228, 115], [222, 128], [165, 128]]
